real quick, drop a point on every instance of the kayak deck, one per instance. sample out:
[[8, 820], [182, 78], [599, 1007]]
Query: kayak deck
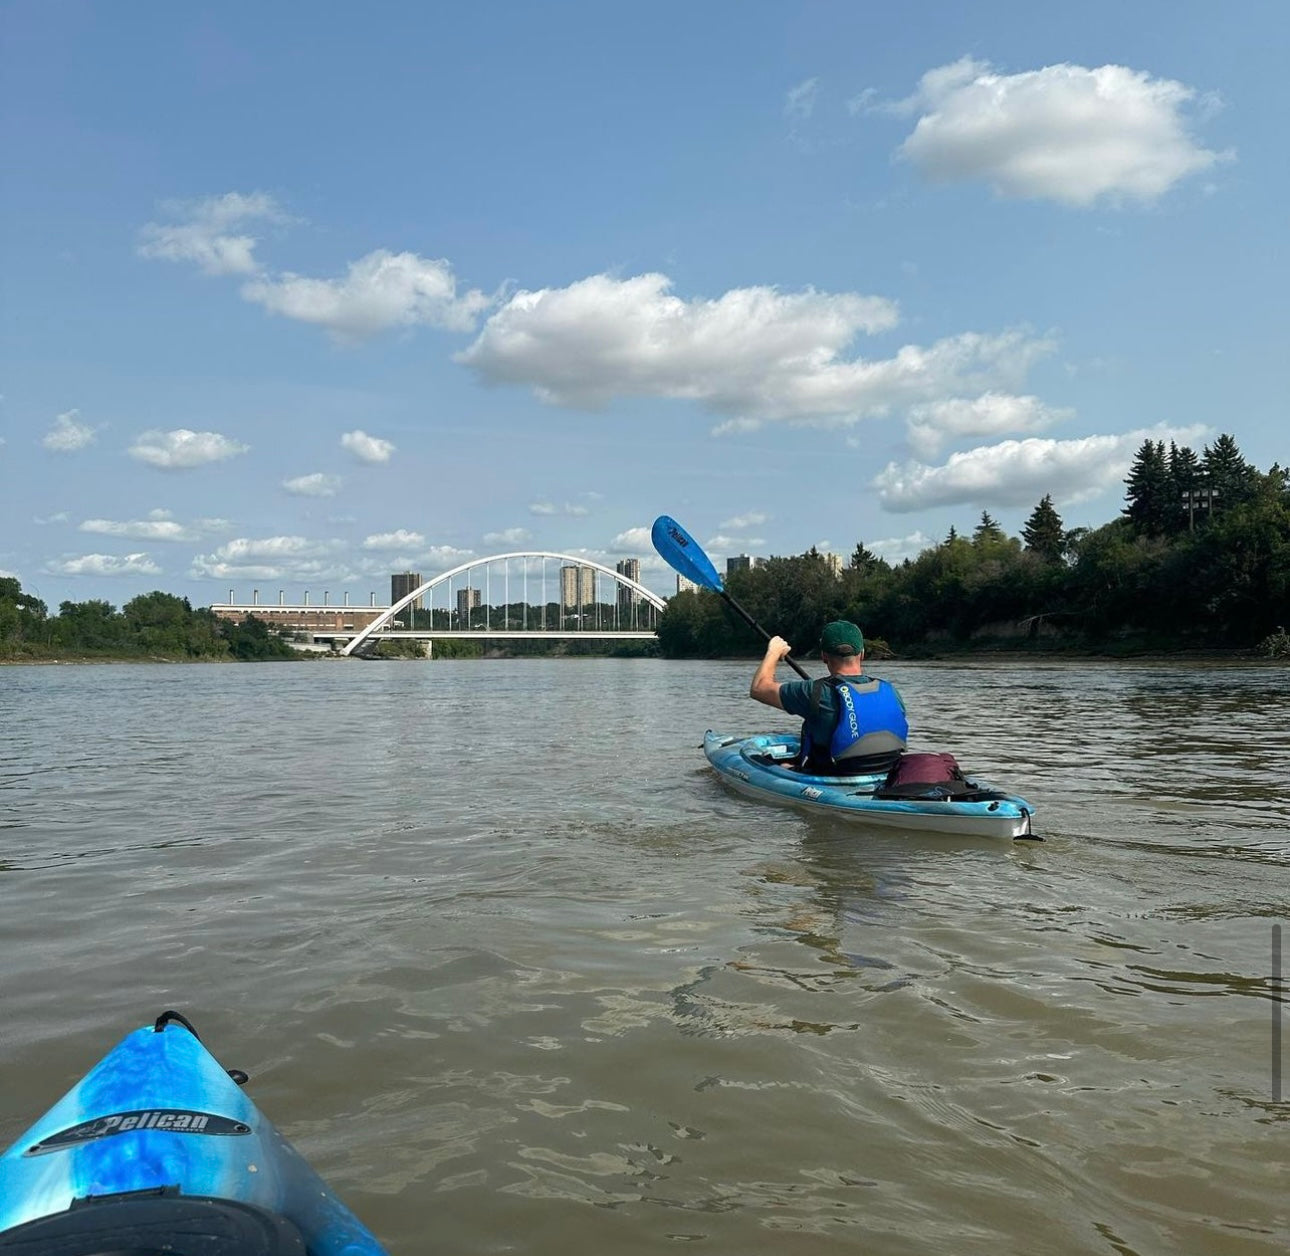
[[761, 766], [159, 1133]]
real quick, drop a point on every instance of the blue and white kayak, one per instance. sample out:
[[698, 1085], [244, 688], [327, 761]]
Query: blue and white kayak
[[762, 767], [157, 1149]]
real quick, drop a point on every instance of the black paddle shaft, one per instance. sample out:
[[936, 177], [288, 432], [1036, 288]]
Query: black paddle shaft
[[756, 627]]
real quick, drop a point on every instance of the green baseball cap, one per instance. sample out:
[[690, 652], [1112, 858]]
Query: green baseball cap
[[841, 637]]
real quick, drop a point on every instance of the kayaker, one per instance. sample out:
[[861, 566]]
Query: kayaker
[[851, 723]]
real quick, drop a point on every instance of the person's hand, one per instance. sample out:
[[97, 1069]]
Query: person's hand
[[777, 648]]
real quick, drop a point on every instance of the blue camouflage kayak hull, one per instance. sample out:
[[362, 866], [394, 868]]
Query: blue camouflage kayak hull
[[159, 1128], [761, 767]]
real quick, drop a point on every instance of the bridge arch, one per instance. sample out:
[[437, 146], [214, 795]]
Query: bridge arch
[[428, 586]]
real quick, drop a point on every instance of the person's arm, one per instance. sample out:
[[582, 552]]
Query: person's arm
[[764, 687]]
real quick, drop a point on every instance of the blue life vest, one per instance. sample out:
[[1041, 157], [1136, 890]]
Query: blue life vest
[[870, 731]]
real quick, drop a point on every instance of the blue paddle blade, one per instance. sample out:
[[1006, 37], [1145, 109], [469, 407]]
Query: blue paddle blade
[[684, 554]]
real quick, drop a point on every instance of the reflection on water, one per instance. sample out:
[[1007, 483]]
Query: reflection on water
[[543, 985]]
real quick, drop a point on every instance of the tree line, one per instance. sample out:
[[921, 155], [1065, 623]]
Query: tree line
[[152, 625], [1199, 558]]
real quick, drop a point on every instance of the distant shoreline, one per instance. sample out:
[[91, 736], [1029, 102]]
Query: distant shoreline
[[952, 656]]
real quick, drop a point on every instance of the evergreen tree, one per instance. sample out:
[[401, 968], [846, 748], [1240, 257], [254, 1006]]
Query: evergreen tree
[[1185, 480], [987, 530], [1044, 534], [1148, 490], [1231, 480], [862, 559]]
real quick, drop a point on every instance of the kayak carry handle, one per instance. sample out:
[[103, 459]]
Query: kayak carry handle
[[172, 1017]]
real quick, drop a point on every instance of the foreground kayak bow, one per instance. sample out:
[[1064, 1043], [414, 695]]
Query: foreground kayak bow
[[156, 1149]]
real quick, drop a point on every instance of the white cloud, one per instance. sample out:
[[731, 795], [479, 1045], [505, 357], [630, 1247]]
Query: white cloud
[[183, 449], [550, 508], [754, 354], [104, 565], [204, 234], [273, 558], [444, 557], [633, 541], [753, 519], [508, 536], [800, 100], [1020, 472], [1065, 132], [428, 560], [62, 516], [400, 539], [318, 484], [367, 448], [67, 434], [158, 526], [724, 544], [379, 291], [932, 423], [895, 549]]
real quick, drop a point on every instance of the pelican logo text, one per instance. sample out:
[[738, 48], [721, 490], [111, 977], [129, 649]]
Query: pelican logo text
[[167, 1120], [679, 537]]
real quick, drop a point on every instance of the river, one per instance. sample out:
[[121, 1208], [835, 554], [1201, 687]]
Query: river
[[517, 974]]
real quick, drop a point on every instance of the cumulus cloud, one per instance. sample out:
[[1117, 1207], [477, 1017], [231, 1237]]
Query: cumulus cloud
[[273, 558], [754, 519], [367, 448], [895, 549], [441, 558], [508, 536], [318, 484], [399, 539], [68, 434], [207, 232], [754, 354], [158, 526], [429, 560], [105, 565], [182, 449], [550, 508], [1020, 472], [379, 291], [933, 423], [1066, 133], [722, 543], [633, 541]]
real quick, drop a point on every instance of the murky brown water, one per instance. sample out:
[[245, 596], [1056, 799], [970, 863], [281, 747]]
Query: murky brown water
[[518, 975]]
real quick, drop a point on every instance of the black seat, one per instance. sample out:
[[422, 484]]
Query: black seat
[[150, 1223]]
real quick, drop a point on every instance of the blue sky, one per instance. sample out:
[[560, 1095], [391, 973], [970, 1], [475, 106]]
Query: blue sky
[[298, 295]]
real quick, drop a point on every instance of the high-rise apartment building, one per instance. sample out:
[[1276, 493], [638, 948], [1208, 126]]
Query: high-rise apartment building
[[577, 587], [628, 598], [467, 600], [401, 584], [741, 562], [686, 586]]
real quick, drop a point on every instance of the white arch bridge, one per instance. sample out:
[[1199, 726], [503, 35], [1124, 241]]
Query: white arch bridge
[[528, 594]]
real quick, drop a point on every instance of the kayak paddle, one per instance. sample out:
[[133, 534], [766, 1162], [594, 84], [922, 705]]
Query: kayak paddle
[[684, 554]]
